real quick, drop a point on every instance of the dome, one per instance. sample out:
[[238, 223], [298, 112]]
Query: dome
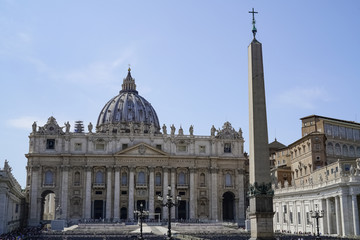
[[128, 110]]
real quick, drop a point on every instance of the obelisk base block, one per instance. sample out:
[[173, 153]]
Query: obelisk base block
[[261, 218]]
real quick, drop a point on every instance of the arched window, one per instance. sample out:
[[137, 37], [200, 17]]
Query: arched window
[[202, 179], [182, 178], [99, 177], [337, 149], [330, 149], [158, 179], [345, 150], [124, 179], [228, 182], [77, 179], [351, 151], [141, 178], [49, 177]]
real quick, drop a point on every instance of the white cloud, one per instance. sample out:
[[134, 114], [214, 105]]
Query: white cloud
[[304, 98]]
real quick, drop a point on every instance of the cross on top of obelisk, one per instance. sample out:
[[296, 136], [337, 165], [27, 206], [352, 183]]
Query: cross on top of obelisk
[[253, 22]]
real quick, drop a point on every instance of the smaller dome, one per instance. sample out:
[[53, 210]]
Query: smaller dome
[[128, 111]]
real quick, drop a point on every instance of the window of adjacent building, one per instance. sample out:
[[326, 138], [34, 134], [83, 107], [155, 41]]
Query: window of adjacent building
[[77, 178], [227, 148], [202, 149], [99, 146], [124, 146], [124, 179], [141, 178], [158, 179], [158, 146], [228, 182], [181, 178], [99, 177], [50, 143], [284, 213], [49, 178], [17, 208], [78, 146]]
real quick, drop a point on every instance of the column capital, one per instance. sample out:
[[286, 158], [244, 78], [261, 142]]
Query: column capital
[[166, 168], [109, 168], [117, 168], [35, 168], [64, 167], [214, 170], [192, 169], [151, 168]]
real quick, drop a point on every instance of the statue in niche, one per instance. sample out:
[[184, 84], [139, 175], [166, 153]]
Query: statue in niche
[[286, 183], [181, 131], [142, 127], [34, 127], [164, 129], [191, 130], [67, 126], [213, 130], [172, 130], [90, 127]]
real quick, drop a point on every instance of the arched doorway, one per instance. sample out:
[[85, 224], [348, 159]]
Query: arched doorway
[[228, 206], [48, 208]]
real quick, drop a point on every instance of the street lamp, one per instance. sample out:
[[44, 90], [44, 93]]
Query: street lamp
[[170, 202], [141, 214], [317, 214]]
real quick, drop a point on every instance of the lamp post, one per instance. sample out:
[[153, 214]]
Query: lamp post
[[170, 202], [317, 214], [141, 214]]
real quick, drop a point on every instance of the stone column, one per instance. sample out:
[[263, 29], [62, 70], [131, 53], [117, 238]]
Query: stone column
[[173, 190], [64, 191], [240, 188], [165, 190], [151, 192], [87, 209], [323, 225], [355, 212], [193, 200], [338, 216], [214, 194], [345, 223], [34, 187], [328, 215], [117, 194], [108, 193], [131, 194]]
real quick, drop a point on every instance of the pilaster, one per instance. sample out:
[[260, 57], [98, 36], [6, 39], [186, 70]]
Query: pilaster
[[193, 200], [64, 191], [108, 193], [87, 208], [355, 212], [165, 190], [117, 194], [151, 192], [131, 194], [214, 194]]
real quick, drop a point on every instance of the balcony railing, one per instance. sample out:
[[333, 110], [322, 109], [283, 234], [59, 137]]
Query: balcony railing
[[141, 185], [98, 185], [183, 186], [49, 185]]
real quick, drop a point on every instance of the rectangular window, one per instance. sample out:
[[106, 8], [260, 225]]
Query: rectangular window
[[299, 218], [158, 146], [227, 148], [158, 193], [99, 146], [291, 217], [50, 144], [78, 146], [123, 192], [201, 149], [124, 146], [98, 192], [284, 213], [17, 208]]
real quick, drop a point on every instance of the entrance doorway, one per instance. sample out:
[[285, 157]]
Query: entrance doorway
[[228, 206], [123, 213], [182, 210], [98, 209]]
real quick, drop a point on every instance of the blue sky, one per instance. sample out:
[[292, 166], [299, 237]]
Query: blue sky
[[188, 58]]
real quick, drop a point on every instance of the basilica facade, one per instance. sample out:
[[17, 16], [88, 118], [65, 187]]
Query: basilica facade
[[128, 159]]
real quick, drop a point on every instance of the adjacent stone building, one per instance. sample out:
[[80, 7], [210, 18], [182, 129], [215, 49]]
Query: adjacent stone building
[[12, 201], [128, 160], [325, 176]]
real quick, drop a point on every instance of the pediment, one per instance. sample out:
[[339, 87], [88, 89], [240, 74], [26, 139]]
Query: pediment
[[142, 149]]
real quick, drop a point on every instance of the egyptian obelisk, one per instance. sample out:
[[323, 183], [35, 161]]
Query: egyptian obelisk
[[260, 192]]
